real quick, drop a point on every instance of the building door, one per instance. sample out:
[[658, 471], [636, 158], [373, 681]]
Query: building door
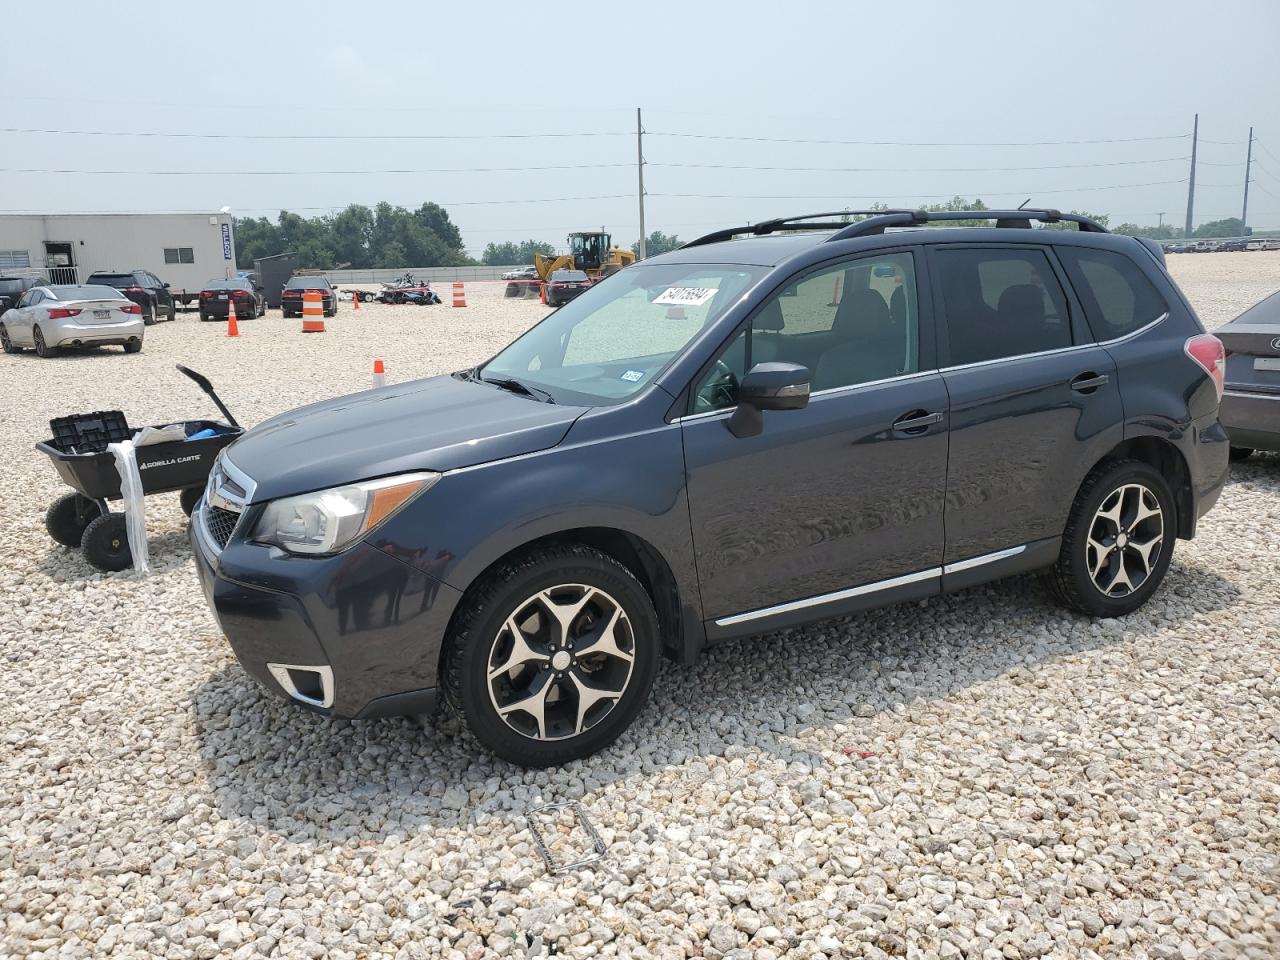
[[60, 261]]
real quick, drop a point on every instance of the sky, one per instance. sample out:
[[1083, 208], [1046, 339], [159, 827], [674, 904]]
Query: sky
[[751, 109]]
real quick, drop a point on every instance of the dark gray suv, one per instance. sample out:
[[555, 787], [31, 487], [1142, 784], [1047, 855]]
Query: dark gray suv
[[772, 425]]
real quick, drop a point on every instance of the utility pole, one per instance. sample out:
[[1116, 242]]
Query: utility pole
[[1191, 184], [1161, 216], [640, 174], [1244, 210]]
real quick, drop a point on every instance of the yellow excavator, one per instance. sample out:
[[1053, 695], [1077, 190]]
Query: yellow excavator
[[590, 251]]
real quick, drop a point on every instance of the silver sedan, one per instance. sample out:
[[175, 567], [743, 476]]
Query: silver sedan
[[55, 316]]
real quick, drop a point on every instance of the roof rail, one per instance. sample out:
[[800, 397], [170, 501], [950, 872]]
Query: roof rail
[[877, 221], [784, 224]]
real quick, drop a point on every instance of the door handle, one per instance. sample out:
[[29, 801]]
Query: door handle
[[1088, 382], [916, 422]]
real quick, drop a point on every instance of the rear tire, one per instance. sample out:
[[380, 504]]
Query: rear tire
[[6, 344], [189, 497], [68, 517], [1240, 453], [106, 543], [604, 606], [43, 350], [173, 311], [1118, 540]]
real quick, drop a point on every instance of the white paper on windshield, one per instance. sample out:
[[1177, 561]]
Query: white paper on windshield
[[686, 296]]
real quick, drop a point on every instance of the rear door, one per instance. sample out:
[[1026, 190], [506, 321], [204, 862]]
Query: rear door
[[1034, 402]]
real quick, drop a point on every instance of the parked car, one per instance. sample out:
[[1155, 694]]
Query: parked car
[[51, 317], [12, 289], [522, 540], [291, 299], [521, 273], [564, 285], [143, 288], [1251, 404], [218, 296]]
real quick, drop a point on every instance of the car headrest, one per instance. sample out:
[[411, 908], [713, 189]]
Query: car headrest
[[861, 312], [1022, 303], [770, 318]]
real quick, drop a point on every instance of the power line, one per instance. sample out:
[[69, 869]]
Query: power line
[[314, 173], [332, 206], [1056, 166], [307, 136], [909, 143], [921, 196]]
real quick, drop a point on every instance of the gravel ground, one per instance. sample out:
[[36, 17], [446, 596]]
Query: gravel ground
[[975, 776]]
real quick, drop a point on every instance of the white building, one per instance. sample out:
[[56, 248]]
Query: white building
[[183, 249]]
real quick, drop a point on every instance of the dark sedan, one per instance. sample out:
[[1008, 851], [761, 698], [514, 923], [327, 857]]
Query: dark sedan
[[218, 297], [565, 285], [12, 289], [1251, 404], [295, 290]]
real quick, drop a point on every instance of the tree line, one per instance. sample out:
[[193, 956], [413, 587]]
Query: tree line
[[388, 237]]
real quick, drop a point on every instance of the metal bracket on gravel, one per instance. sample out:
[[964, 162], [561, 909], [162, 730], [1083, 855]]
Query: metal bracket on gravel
[[597, 845]]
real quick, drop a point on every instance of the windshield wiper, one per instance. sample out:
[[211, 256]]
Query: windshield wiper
[[515, 386]]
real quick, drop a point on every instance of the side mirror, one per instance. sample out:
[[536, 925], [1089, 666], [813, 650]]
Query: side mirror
[[166, 286], [768, 386]]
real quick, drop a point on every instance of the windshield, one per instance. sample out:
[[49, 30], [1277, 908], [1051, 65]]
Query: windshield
[[114, 279], [618, 335], [227, 285]]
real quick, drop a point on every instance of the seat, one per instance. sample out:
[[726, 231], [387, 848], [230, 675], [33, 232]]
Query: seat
[[1020, 317], [867, 347]]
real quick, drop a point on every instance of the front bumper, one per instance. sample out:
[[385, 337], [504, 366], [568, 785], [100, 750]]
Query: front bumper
[[1251, 419], [355, 635], [68, 334]]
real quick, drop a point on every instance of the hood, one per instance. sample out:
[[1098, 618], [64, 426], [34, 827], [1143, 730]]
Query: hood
[[437, 424]]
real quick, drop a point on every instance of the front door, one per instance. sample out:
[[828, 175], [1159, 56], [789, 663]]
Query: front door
[[1034, 401], [840, 504]]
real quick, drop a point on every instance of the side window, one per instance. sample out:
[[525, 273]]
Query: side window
[[849, 324], [1117, 296], [1001, 302]]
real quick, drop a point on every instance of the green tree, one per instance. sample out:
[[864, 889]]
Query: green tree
[[1102, 218], [1230, 227], [1164, 231], [515, 254], [657, 243]]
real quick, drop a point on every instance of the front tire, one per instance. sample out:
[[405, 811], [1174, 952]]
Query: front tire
[[106, 543], [5, 343], [173, 311], [552, 656], [1118, 540]]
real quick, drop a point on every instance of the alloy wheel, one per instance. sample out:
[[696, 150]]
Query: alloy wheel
[[1125, 538], [560, 662], [5, 343]]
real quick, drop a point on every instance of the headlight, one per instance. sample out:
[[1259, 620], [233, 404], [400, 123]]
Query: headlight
[[327, 521]]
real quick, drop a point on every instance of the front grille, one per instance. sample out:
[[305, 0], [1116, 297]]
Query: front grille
[[220, 524]]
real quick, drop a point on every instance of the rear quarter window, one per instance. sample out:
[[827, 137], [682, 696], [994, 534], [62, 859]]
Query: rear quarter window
[[1117, 296]]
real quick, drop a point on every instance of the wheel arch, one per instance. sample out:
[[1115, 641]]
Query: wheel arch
[[676, 625], [1164, 455]]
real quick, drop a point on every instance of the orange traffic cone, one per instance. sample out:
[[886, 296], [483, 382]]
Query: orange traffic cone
[[233, 328], [379, 374], [312, 311], [459, 295], [542, 292], [355, 297]]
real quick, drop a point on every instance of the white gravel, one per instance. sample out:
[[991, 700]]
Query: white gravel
[[977, 776]]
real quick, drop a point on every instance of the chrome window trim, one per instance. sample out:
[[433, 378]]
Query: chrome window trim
[[1141, 330], [982, 560], [874, 587]]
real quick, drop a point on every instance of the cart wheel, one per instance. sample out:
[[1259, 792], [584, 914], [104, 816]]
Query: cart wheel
[[106, 543], [67, 518], [189, 498]]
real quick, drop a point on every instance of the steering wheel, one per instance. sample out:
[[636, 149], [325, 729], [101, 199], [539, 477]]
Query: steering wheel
[[718, 390]]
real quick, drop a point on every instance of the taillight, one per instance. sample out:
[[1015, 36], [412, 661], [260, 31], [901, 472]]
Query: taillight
[[240, 294], [134, 290], [1207, 350], [61, 313], [130, 308], [206, 294]]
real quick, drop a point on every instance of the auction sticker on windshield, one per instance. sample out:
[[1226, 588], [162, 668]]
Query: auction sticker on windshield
[[686, 296]]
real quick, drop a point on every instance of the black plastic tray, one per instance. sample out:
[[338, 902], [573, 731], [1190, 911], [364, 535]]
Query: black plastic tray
[[177, 465]]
